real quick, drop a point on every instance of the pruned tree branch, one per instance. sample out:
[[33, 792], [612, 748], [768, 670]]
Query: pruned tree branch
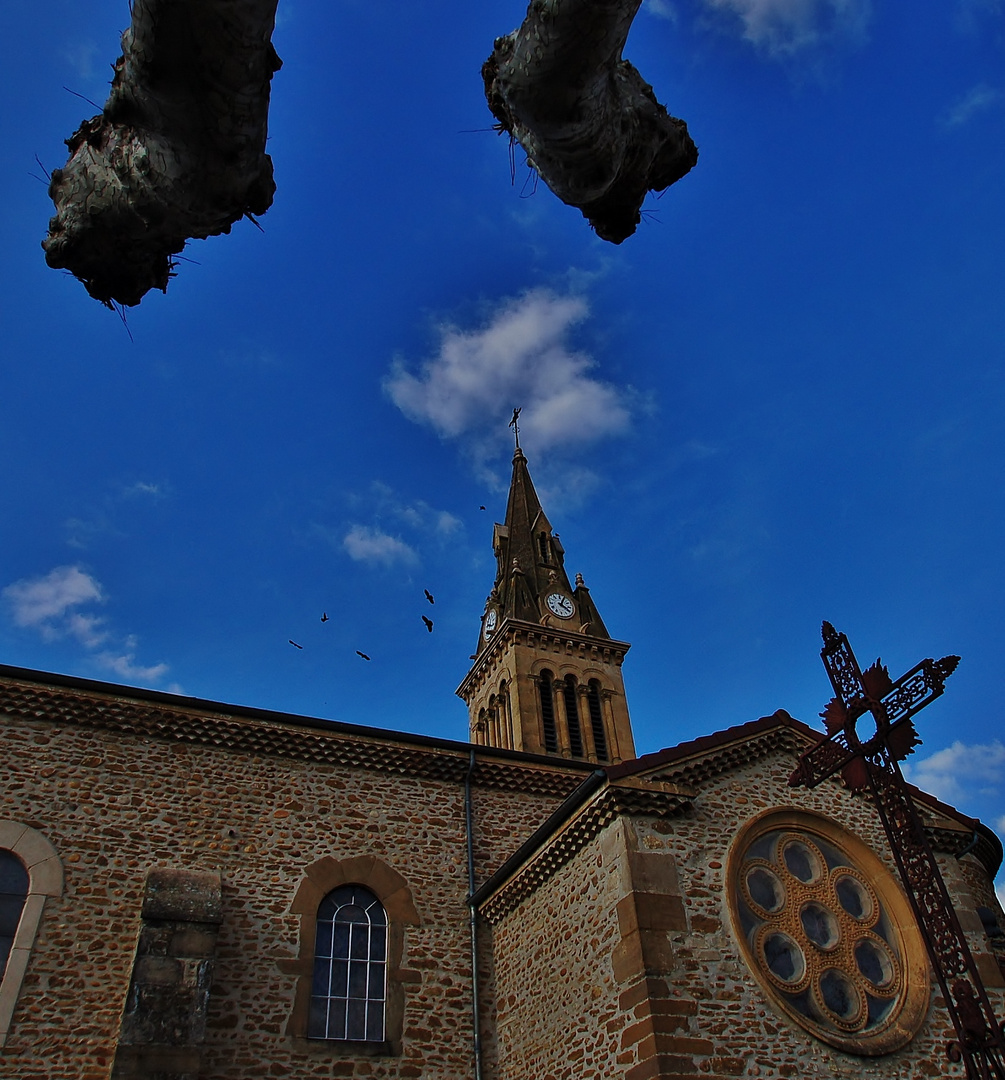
[[178, 150], [588, 121]]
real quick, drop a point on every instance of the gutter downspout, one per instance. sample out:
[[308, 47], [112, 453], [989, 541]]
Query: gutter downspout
[[475, 1011]]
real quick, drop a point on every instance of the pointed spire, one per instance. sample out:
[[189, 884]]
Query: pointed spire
[[546, 676]]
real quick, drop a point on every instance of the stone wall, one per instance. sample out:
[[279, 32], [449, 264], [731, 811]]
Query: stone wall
[[115, 806], [558, 1012], [624, 963], [720, 1000]]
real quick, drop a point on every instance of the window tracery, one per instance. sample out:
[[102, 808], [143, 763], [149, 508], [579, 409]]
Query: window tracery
[[350, 967], [827, 932]]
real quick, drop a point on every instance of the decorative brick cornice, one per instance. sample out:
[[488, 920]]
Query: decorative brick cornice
[[652, 798], [734, 756], [720, 753], [277, 735]]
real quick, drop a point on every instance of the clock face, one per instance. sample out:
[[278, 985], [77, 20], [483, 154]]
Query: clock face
[[561, 605], [490, 622]]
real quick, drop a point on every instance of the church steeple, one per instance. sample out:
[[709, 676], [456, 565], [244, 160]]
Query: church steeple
[[546, 676]]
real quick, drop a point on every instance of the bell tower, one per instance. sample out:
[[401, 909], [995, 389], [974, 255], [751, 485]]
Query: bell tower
[[546, 675]]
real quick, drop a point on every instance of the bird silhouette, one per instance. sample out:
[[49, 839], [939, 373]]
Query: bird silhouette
[[295, 645], [481, 507], [324, 616], [429, 596], [429, 623], [363, 654]]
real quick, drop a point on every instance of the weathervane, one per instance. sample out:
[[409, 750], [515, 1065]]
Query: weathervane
[[871, 760], [516, 426]]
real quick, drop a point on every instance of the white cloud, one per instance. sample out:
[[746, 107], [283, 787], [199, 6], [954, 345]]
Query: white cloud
[[50, 603], [662, 9], [447, 523], [960, 771], [1000, 825], [1000, 893], [976, 100], [518, 358], [785, 27], [142, 487], [45, 602], [125, 667], [365, 543], [87, 629], [81, 56]]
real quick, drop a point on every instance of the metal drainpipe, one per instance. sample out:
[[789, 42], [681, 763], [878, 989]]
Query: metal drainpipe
[[477, 1039]]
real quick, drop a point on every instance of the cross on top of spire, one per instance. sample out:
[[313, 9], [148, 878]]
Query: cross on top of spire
[[515, 425]]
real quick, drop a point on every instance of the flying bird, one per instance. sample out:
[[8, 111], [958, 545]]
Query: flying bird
[[429, 596], [481, 507], [429, 623], [363, 654], [295, 645], [324, 616]]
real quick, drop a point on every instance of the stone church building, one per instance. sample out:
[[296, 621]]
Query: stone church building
[[197, 890]]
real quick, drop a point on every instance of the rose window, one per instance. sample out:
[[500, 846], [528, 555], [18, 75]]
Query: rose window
[[828, 933]]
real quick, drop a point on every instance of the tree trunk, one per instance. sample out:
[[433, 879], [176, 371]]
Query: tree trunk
[[178, 150], [588, 121]]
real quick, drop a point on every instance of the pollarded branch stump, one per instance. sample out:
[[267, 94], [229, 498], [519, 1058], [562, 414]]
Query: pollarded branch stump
[[590, 124], [177, 152]]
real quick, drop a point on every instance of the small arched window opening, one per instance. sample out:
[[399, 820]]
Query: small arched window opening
[[597, 720], [506, 716], [542, 541], [546, 691], [572, 716], [13, 893], [492, 719], [350, 967]]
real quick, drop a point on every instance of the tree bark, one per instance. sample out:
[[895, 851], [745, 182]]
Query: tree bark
[[588, 121], [178, 150]]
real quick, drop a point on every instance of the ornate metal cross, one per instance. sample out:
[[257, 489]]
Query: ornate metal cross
[[869, 758], [515, 425]]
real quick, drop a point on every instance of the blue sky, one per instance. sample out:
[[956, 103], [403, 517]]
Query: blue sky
[[781, 401]]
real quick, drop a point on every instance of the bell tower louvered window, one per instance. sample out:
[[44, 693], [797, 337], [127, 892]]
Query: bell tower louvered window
[[597, 720], [572, 716], [547, 692]]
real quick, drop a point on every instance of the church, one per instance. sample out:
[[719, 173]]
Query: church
[[192, 890]]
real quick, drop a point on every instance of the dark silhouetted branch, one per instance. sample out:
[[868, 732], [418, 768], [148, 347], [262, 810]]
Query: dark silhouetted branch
[[177, 152], [588, 121]]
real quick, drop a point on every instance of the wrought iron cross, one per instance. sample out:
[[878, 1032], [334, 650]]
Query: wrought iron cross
[[515, 425], [870, 758]]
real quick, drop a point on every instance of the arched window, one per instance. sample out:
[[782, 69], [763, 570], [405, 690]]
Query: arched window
[[548, 712], [480, 728], [597, 720], [13, 893], [506, 716], [572, 716], [30, 875], [350, 967]]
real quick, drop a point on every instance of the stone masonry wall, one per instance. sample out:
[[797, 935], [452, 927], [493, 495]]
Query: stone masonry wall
[[114, 807], [726, 1025], [558, 1013], [623, 963]]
